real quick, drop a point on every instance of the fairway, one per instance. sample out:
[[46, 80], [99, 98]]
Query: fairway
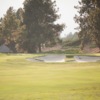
[[24, 80]]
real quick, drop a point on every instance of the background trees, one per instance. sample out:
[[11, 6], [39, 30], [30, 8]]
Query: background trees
[[25, 30], [9, 25], [89, 20], [11, 28], [1, 39]]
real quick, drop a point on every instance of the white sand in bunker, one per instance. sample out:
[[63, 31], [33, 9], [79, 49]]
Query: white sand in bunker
[[87, 58], [49, 58], [53, 58]]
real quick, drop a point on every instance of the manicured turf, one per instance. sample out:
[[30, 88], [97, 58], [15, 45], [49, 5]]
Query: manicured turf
[[24, 80]]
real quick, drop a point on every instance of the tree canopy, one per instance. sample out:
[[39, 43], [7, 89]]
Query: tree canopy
[[89, 20], [39, 18], [9, 25], [28, 28]]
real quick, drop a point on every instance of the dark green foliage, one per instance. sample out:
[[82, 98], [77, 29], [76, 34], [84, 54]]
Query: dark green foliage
[[39, 18], [89, 21], [9, 26], [27, 29], [1, 40], [69, 51]]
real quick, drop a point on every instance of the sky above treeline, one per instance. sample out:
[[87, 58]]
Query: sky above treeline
[[66, 9]]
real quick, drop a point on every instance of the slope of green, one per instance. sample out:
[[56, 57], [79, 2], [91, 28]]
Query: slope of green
[[24, 80]]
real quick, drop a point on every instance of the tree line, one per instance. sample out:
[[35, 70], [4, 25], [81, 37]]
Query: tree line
[[26, 29]]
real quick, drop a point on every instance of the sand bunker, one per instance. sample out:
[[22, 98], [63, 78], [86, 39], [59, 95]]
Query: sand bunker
[[87, 58], [49, 58]]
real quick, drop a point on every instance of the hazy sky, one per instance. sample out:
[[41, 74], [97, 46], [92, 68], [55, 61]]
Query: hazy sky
[[66, 9]]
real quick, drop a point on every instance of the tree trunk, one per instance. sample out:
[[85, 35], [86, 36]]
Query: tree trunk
[[82, 45], [39, 47], [98, 44]]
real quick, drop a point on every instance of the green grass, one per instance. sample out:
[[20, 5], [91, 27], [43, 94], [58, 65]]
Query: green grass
[[24, 80]]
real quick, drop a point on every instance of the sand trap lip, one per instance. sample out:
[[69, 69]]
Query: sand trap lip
[[49, 58], [87, 58]]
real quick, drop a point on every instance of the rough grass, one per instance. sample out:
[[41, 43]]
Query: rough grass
[[24, 80]]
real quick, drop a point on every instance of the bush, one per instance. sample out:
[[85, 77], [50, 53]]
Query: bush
[[70, 51]]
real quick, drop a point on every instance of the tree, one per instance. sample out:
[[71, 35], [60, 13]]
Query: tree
[[9, 26], [12, 29], [20, 32], [89, 20], [39, 18], [1, 38]]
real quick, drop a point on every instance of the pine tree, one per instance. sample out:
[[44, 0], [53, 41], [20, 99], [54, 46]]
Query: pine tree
[[9, 26], [39, 18]]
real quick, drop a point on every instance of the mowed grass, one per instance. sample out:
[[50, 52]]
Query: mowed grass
[[24, 80]]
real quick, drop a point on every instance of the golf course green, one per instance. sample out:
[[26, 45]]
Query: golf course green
[[25, 80]]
